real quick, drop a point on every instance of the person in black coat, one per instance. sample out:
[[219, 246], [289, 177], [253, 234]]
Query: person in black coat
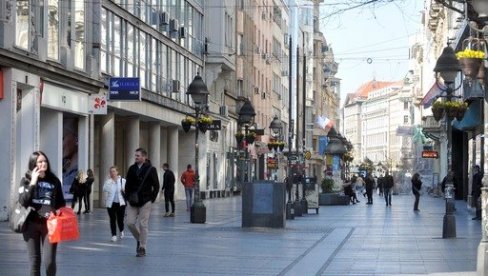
[[41, 190], [88, 184], [142, 182], [369, 183], [416, 186], [387, 188], [476, 190], [169, 190]]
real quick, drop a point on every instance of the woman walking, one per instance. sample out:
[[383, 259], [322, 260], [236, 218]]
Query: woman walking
[[78, 188], [41, 190], [88, 184], [114, 188], [416, 186]]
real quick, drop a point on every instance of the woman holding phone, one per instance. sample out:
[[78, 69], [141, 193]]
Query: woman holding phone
[[41, 190]]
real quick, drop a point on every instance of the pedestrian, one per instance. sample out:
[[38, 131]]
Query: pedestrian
[[114, 188], [88, 184], [381, 180], [41, 190], [476, 190], [349, 191], [188, 181], [388, 186], [169, 190], [78, 188], [142, 180], [416, 186], [359, 185], [369, 183]]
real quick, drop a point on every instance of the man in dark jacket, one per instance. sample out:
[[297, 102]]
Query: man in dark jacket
[[388, 186], [476, 190], [169, 190], [369, 183], [142, 179]]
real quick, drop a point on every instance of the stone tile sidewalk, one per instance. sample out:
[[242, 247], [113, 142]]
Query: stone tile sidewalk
[[341, 240]]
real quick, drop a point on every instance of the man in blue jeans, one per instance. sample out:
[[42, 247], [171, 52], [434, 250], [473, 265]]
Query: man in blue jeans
[[188, 180]]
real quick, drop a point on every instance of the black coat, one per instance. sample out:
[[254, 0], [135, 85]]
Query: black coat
[[168, 181], [134, 179], [416, 186]]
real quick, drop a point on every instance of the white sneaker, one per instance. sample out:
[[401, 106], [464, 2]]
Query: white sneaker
[[122, 235], [114, 238]]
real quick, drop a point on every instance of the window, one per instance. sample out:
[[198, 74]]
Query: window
[[53, 31], [22, 25], [79, 37], [405, 106], [405, 119]]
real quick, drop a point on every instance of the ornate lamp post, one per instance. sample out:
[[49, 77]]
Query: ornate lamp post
[[447, 68], [246, 118], [276, 128], [199, 94]]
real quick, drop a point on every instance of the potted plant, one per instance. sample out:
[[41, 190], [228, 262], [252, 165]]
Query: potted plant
[[470, 61], [250, 137], [203, 123], [273, 145], [327, 185], [455, 108], [438, 110], [187, 122]]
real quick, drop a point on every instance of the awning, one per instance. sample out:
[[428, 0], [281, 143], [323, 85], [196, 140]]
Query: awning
[[472, 117]]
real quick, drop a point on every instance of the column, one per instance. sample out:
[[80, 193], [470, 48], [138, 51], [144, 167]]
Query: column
[[133, 135], [107, 152], [173, 160], [154, 150]]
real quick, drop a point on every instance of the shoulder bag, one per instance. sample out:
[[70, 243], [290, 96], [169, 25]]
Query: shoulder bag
[[18, 216]]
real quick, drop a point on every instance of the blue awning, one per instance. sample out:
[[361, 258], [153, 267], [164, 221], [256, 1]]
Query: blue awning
[[472, 117]]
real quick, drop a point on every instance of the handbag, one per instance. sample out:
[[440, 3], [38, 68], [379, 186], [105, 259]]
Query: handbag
[[134, 198], [18, 216], [62, 226]]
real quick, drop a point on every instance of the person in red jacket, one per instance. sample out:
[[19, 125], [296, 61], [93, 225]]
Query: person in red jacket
[[188, 181]]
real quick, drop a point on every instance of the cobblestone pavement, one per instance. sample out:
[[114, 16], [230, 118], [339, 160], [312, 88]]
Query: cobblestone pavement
[[341, 240]]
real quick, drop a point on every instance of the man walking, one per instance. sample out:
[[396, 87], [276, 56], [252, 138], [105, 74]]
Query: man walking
[[141, 188], [388, 185], [188, 180], [169, 190]]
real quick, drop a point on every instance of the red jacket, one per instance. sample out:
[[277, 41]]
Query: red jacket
[[188, 178]]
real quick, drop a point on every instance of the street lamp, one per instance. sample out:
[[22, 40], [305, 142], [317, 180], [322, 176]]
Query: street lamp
[[246, 118], [199, 94], [447, 68], [276, 128]]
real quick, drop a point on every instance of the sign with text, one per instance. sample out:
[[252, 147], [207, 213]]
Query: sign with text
[[215, 125], [430, 154], [125, 89]]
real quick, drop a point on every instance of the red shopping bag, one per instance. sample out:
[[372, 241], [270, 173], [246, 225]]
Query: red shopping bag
[[63, 226]]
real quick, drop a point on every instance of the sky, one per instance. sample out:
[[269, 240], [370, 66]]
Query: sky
[[372, 41]]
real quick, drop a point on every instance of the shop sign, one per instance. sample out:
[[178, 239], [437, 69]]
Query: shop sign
[[125, 89], [97, 104], [430, 154]]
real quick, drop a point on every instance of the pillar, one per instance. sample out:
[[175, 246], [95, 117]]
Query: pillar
[[173, 160], [107, 152], [154, 150], [133, 134]]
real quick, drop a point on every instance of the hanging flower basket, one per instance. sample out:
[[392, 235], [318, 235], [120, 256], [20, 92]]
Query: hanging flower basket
[[239, 137], [270, 146], [202, 127], [438, 110], [281, 146], [186, 123], [251, 137], [470, 66]]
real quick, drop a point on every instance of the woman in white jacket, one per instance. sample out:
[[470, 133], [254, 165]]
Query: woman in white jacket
[[114, 201]]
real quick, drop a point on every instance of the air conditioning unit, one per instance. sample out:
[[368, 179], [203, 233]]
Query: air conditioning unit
[[182, 32], [223, 110], [163, 18], [173, 25], [175, 86], [284, 73], [256, 90]]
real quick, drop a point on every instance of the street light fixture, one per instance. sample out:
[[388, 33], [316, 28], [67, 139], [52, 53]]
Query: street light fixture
[[246, 118], [447, 68], [481, 8], [199, 94]]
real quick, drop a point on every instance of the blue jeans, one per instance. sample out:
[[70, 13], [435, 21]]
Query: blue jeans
[[189, 197]]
